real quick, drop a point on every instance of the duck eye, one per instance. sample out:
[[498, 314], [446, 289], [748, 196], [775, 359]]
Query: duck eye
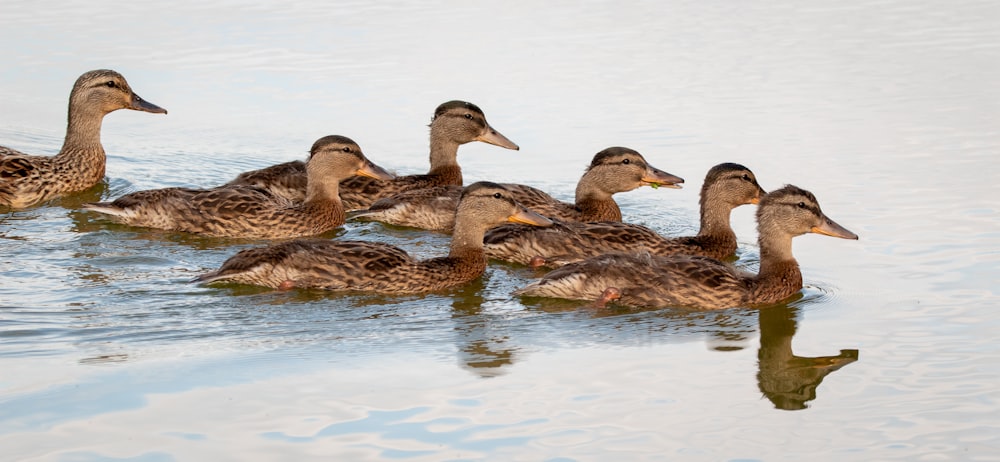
[[802, 205], [626, 161], [347, 149], [110, 84], [746, 176], [468, 116], [497, 195]]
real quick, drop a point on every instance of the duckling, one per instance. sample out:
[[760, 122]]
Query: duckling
[[454, 124], [613, 170], [26, 180], [250, 212], [644, 280], [726, 187], [378, 267]]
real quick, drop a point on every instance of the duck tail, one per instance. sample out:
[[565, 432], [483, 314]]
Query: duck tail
[[107, 208], [206, 278], [361, 215]]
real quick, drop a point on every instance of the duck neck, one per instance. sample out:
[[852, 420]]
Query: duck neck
[[715, 225], [324, 194], [595, 204], [444, 158], [598, 210], [467, 241], [82, 145], [779, 275], [447, 175]]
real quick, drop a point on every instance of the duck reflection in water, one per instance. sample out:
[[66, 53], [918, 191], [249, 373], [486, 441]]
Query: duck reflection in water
[[482, 341], [790, 381]]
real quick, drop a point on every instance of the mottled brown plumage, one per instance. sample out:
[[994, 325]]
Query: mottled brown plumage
[[377, 267], [247, 211], [454, 124], [27, 180], [645, 280], [726, 187], [612, 170]]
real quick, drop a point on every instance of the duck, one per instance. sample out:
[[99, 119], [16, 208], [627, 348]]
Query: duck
[[613, 170], [27, 180], [454, 123], [378, 267], [248, 211], [727, 186], [642, 280]]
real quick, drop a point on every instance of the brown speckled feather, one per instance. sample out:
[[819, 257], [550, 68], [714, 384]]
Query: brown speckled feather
[[28, 180], [238, 211], [359, 193], [287, 180], [726, 187], [247, 211], [612, 170], [377, 267], [454, 124], [425, 208], [644, 280], [647, 281]]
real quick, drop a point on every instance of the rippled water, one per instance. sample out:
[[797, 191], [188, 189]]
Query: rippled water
[[886, 110]]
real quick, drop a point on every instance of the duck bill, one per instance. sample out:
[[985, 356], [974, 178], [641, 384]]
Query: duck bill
[[831, 228], [494, 137], [656, 178], [140, 104], [527, 217], [371, 170], [760, 193]]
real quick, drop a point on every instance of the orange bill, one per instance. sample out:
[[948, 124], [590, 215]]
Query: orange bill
[[371, 170], [527, 217]]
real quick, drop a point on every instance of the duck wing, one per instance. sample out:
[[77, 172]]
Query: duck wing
[[15, 165], [359, 192], [647, 281], [428, 208], [287, 180], [207, 211], [315, 263], [541, 202]]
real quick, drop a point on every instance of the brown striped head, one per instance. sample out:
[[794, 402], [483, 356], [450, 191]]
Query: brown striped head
[[339, 157], [619, 169], [733, 184], [492, 205], [463, 122], [107, 91], [795, 211]]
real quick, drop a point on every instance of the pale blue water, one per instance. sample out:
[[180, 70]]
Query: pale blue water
[[886, 110]]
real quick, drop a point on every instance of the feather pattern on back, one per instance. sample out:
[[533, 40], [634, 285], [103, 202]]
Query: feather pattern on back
[[377, 267], [612, 170], [454, 124], [248, 211], [726, 187], [644, 280]]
